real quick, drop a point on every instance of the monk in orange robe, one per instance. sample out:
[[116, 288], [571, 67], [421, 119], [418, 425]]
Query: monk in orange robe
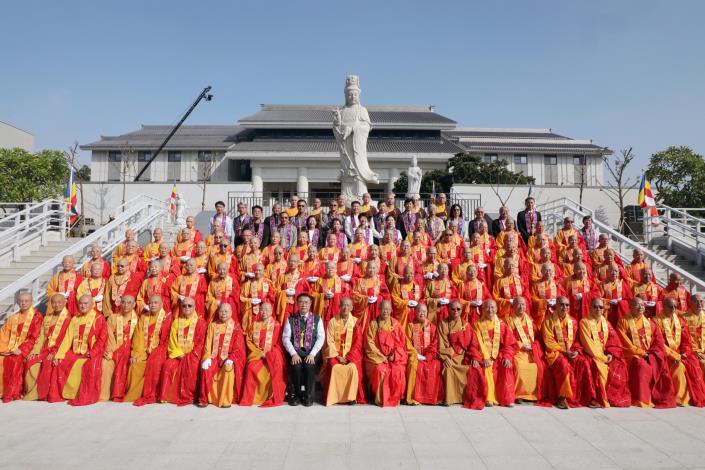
[[695, 319], [565, 232], [223, 361], [327, 292], [387, 247], [609, 377], [406, 296], [65, 282], [650, 292], [483, 257], [119, 284], [544, 259], [455, 336], [291, 284], [616, 293], [367, 294], [438, 293], [423, 370], [94, 285], [253, 294], [222, 289], [346, 267], [79, 358], [151, 250], [312, 268], [190, 285], [635, 269], [265, 382], [687, 377], [155, 283], [120, 328], [359, 247], [650, 382], [268, 251], [341, 374], [249, 260], [330, 252], [418, 248], [568, 366], [492, 356], [385, 357], [276, 267], [136, 265], [601, 272], [170, 266], [184, 247], [675, 289], [121, 249], [96, 256], [447, 249], [39, 368], [180, 370], [544, 294], [223, 254], [507, 288], [529, 364], [17, 338], [472, 292], [149, 345], [580, 290], [196, 235]]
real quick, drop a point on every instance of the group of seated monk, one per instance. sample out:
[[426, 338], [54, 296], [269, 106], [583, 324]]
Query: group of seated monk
[[427, 318]]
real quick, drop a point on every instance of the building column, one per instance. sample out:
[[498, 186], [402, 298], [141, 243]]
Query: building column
[[302, 182], [257, 183], [393, 177]]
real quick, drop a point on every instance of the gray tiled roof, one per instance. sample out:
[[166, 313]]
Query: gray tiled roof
[[503, 134], [530, 146], [329, 145], [187, 137], [322, 116]]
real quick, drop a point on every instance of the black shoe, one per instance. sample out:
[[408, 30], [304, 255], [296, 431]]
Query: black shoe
[[307, 402], [294, 401], [354, 402]]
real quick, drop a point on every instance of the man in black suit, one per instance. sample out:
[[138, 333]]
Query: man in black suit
[[499, 223], [474, 225], [528, 219]]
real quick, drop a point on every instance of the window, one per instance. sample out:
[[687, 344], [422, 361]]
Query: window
[[206, 164], [114, 165], [550, 169], [579, 170], [142, 160], [490, 157], [521, 164], [173, 166], [239, 170]]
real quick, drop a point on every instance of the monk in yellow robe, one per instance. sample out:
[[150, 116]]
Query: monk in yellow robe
[[385, 357], [157, 282], [121, 249], [222, 254], [65, 282], [119, 284], [438, 293], [528, 358], [149, 344], [94, 285], [223, 361], [423, 369], [341, 374], [80, 357], [695, 319], [276, 267], [406, 295], [39, 368], [96, 256], [180, 371], [121, 326], [327, 292], [151, 251], [253, 294], [454, 341], [17, 338]]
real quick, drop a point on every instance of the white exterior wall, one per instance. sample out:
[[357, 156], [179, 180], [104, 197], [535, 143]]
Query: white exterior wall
[[101, 199], [594, 197], [11, 137], [158, 170]]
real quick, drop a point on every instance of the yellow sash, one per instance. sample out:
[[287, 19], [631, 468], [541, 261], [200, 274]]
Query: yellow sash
[[698, 321], [229, 327], [57, 328], [120, 333], [485, 338], [257, 330], [153, 341], [596, 335], [674, 342], [520, 329], [635, 333], [559, 332], [187, 340], [15, 341], [80, 343], [349, 326], [426, 329]]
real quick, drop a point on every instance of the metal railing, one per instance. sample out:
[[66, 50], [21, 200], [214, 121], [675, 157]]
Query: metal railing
[[140, 213], [553, 212], [21, 230], [677, 226]]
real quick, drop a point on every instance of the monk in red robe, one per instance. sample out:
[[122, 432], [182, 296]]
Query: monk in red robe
[[472, 292], [222, 289], [544, 294], [676, 290], [96, 256], [341, 374], [149, 349], [609, 377], [695, 319], [367, 294], [327, 292], [223, 361], [406, 295], [120, 327], [290, 285], [253, 294], [17, 338], [65, 282], [455, 337], [94, 285], [492, 355], [223, 254], [191, 285], [157, 282], [39, 368], [265, 374], [80, 356], [568, 366], [650, 292], [346, 268], [180, 371], [580, 289], [650, 381], [120, 283], [423, 370], [616, 293], [438, 293], [385, 357], [133, 256]]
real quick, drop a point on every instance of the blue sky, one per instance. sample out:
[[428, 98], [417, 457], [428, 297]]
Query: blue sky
[[623, 73]]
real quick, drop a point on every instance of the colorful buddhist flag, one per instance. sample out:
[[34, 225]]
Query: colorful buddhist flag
[[172, 201], [70, 198], [646, 199]]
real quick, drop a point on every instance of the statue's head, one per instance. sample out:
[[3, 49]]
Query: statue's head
[[352, 90], [414, 161]]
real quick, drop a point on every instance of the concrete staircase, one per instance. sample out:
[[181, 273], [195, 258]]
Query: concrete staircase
[[28, 262], [682, 262]]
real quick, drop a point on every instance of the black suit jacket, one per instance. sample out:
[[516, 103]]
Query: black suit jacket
[[521, 224], [471, 226]]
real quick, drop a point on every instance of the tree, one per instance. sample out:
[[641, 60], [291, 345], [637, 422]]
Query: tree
[[678, 175], [127, 166], [71, 155], [619, 183], [27, 177], [83, 173], [206, 163]]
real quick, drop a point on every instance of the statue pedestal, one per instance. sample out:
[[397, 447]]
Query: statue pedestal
[[352, 187]]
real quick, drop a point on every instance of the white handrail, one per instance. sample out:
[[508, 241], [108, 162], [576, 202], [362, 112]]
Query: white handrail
[[680, 227], [138, 214], [554, 211], [29, 225]]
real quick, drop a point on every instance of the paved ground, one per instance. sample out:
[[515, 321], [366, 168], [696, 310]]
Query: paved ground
[[39, 435]]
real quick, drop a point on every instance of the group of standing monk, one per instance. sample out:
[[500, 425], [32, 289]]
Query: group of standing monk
[[377, 304]]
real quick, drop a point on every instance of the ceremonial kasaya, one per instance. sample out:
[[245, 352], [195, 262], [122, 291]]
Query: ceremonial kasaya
[[360, 303]]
